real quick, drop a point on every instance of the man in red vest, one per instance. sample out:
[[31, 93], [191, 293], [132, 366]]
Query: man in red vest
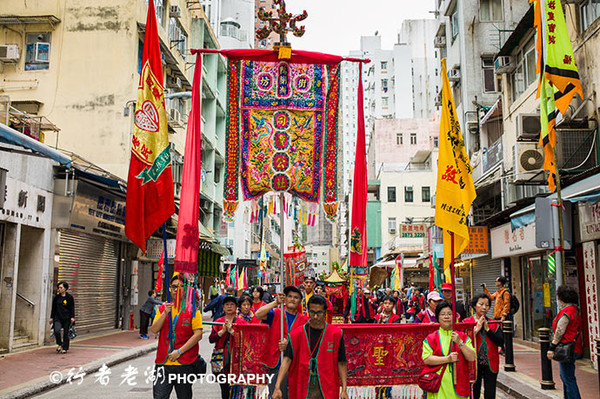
[[315, 358], [175, 355], [271, 314]]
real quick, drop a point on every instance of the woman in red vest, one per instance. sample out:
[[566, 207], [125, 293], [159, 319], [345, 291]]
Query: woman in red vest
[[488, 339], [427, 315], [245, 311], [567, 328], [446, 351], [222, 337]]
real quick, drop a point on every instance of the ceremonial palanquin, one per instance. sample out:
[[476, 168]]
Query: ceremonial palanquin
[[282, 126]]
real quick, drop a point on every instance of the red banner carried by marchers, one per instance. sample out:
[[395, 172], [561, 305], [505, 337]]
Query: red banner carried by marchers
[[150, 199], [377, 354]]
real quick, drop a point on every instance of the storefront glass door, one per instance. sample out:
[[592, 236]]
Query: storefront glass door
[[538, 295]]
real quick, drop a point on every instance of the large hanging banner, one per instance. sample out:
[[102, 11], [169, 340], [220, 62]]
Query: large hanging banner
[[378, 355], [282, 126]]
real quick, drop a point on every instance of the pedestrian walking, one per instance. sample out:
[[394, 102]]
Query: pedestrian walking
[[359, 309], [427, 315], [387, 315], [447, 352], [62, 316], [216, 305], [257, 301], [488, 339], [501, 299], [315, 358], [214, 289], [309, 285], [291, 319], [222, 337], [177, 349], [567, 339], [146, 312]]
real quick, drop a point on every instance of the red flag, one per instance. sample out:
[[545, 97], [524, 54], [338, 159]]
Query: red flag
[[358, 226], [431, 274], [186, 249], [228, 276], [159, 277], [150, 182]]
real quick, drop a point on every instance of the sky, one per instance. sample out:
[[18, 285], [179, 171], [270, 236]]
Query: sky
[[335, 26]]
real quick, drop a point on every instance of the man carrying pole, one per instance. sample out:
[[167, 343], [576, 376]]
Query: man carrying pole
[[455, 191]]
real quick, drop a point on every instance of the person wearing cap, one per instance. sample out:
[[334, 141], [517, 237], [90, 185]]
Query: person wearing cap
[[315, 358], [319, 291], [427, 315], [447, 294], [179, 358], [309, 287], [271, 315], [364, 311], [222, 337]]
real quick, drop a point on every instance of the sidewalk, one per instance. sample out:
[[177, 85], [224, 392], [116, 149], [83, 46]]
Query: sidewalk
[[525, 382], [27, 373]]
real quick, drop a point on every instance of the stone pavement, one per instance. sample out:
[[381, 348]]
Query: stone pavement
[[26, 373], [525, 382]]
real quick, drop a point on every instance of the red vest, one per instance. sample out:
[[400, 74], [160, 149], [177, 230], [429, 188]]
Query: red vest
[[392, 319], [272, 353], [327, 363], [492, 348], [573, 333], [256, 306], [183, 332], [424, 317], [461, 368]]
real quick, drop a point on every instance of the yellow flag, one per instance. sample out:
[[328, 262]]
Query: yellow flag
[[455, 191]]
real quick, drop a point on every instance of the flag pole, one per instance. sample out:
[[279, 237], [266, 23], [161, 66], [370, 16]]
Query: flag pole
[[167, 283], [281, 263], [454, 374], [558, 225]]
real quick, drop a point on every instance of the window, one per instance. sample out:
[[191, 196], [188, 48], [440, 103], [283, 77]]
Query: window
[[524, 74], [490, 10], [489, 75], [384, 85], [590, 11], [392, 225], [384, 65], [384, 102], [454, 22], [391, 191], [413, 138], [408, 194], [177, 36], [399, 139], [37, 55], [426, 194], [436, 142], [159, 8]]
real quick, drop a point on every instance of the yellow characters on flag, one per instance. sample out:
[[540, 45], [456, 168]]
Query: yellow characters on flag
[[455, 191], [558, 76]]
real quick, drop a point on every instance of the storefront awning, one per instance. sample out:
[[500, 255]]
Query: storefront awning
[[496, 109], [409, 263], [219, 249], [12, 136]]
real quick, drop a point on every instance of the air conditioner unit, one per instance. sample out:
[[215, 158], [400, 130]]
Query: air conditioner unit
[[42, 52], [528, 127], [174, 115], [454, 75], [575, 149], [529, 160], [504, 64], [472, 127], [174, 12], [439, 41], [9, 52], [392, 231]]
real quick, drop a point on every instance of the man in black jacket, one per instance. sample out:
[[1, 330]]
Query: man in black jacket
[[62, 315]]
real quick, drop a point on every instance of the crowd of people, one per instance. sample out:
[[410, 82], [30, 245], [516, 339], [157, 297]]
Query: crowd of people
[[298, 366]]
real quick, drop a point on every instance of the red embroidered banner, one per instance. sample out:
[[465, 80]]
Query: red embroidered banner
[[378, 355]]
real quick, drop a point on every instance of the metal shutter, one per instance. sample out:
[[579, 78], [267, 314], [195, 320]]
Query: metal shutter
[[486, 270], [90, 265]]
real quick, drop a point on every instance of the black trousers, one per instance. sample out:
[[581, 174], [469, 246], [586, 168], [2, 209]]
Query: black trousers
[[64, 340], [163, 386], [144, 320], [489, 383]]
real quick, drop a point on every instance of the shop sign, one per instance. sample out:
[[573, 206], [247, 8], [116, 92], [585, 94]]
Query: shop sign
[[509, 242], [154, 248], [589, 221], [478, 243], [98, 212], [591, 292], [412, 231]]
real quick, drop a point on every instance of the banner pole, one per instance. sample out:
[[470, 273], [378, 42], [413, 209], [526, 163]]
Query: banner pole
[[167, 283], [281, 263], [454, 374]]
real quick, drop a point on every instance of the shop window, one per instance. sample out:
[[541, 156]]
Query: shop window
[[37, 51]]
